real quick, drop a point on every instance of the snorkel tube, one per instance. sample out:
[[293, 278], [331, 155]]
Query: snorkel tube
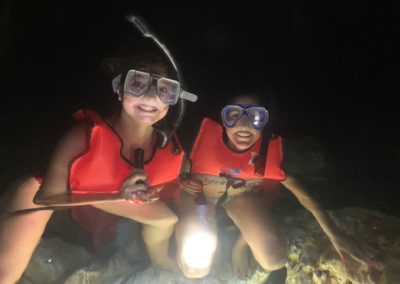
[[166, 131]]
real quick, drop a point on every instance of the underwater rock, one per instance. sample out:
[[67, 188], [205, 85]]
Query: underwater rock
[[53, 260], [130, 265], [312, 259]]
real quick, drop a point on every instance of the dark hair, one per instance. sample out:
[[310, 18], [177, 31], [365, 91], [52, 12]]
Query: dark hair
[[260, 92], [138, 60]]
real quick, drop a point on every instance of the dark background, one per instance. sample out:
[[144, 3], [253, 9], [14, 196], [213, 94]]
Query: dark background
[[332, 65]]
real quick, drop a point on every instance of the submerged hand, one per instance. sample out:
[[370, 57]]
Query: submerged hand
[[344, 245], [135, 189], [149, 195]]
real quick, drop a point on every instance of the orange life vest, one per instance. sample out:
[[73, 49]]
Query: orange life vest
[[211, 156], [101, 168]]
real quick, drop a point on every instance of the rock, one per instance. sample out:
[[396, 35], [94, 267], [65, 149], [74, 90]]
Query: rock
[[312, 258], [53, 260]]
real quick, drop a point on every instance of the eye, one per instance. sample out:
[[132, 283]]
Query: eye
[[233, 114], [163, 90], [137, 84]]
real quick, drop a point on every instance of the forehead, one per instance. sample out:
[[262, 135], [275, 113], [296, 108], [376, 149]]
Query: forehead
[[245, 100], [154, 69]]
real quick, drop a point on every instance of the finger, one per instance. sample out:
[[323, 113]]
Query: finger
[[190, 188], [146, 199], [358, 255], [135, 176], [135, 187], [137, 172], [154, 199], [133, 192], [193, 188], [191, 192], [378, 265], [186, 188], [135, 201], [151, 191], [192, 183]]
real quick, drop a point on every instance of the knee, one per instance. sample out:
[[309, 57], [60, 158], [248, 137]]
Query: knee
[[274, 263], [274, 259], [20, 194], [168, 221], [8, 276]]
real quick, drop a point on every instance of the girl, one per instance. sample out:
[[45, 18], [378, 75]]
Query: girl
[[94, 165], [229, 163]]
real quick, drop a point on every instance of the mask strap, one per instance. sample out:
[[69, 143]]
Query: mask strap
[[115, 83]]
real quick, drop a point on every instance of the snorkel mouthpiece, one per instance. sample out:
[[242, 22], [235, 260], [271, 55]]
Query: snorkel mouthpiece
[[139, 23]]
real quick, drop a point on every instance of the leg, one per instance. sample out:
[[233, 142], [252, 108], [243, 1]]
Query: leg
[[158, 225], [258, 230], [240, 258], [20, 234]]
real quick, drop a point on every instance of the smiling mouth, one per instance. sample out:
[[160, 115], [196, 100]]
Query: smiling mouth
[[147, 108], [243, 134]]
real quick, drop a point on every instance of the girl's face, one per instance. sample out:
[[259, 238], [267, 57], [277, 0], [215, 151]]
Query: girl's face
[[146, 109], [242, 136]]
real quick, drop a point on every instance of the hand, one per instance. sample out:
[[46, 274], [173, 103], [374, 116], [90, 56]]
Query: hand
[[191, 186], [135, 189], [344, 245]]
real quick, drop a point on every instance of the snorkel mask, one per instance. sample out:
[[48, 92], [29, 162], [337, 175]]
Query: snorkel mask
[[137, 83], [170, 91], [256, 115]]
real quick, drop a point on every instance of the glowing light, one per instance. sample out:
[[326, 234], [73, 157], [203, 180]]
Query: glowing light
[[198, 250]]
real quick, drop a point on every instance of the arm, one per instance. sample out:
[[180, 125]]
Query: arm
[[60, 200], [311, 205], [340, 242]]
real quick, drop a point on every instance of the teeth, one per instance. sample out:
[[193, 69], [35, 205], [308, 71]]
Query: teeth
[[243, 134], [146, 108]]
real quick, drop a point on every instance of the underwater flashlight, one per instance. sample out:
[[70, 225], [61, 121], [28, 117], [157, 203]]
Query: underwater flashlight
[[200, 244], [198, 250]]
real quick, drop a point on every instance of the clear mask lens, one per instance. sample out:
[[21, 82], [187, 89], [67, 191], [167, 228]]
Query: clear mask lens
[[231, 115], [258, 117], [137, 83]]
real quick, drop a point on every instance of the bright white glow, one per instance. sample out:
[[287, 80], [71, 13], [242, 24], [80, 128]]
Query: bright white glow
[[198, 250]]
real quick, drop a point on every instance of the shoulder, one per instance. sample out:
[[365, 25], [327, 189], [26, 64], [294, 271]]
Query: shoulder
[[71, 144], [73, 141]]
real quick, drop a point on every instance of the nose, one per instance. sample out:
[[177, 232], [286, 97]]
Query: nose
[[243, 122], [151, 92]]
